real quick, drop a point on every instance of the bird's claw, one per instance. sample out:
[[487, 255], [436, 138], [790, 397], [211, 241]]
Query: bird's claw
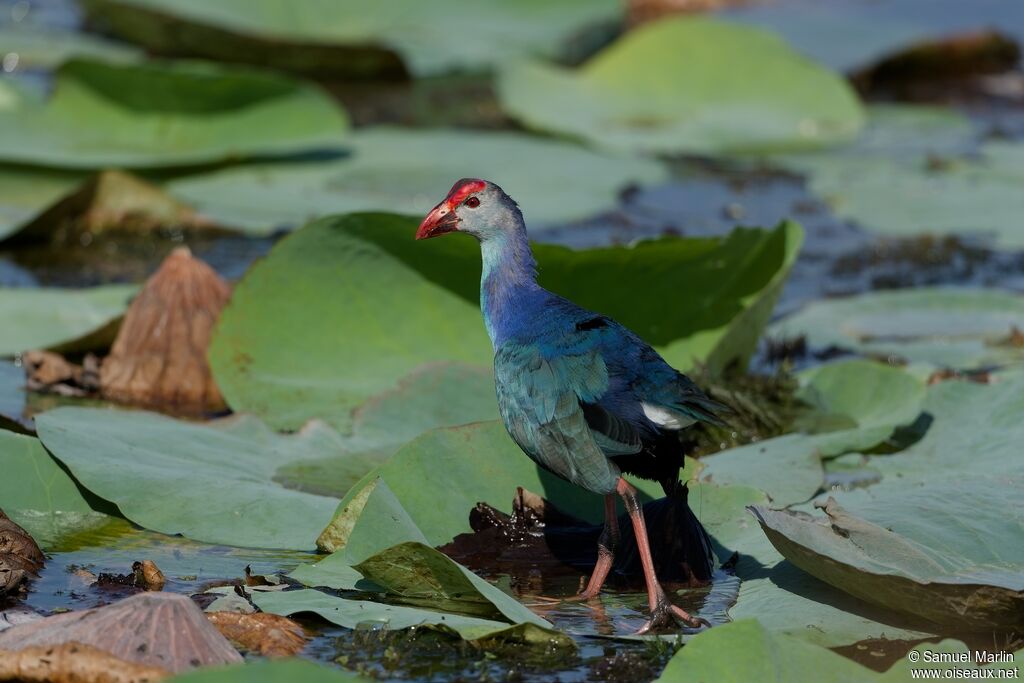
[[665, 613]]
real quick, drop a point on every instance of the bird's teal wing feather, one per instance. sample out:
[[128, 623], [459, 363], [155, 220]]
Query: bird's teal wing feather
[[541, 397]]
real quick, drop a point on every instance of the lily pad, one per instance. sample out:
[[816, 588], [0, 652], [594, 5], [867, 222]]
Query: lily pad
[[38, 495], [785, 599], [911, 195], [109, 200], [747, 651], [787, 468], [883, 567], [688, 85], [440, 476], [365, 614], [25, 192], [211, 483], [859, 403], [958, 328], [293, 670], [164, 114], [379, 306], [38, 49], [407, 171], [351, 38], [61, 319]]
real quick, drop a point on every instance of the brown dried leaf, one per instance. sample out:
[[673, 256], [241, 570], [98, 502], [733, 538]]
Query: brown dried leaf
[[159, 356], [271, 635], [20, 556], [73, 663], [156, 629], [149, 575], [956, 57]]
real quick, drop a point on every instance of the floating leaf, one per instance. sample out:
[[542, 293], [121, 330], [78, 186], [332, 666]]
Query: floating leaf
[[208, 482], [408, 170], [365, 614], [787, 468], [158, 115], [351, 38], [38, 49], [440, 476], [61, 319], [959, 328], [747, 651], [858, 403], [688, 85], [379, 305], [879, 565], [38, 495], [912, 194], [107, 201], [26, 192]]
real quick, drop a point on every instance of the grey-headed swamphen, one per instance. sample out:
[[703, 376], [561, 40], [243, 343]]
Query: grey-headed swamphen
[[583, 396]]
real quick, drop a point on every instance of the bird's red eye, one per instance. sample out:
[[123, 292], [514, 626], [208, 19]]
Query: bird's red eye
[[473, 202]]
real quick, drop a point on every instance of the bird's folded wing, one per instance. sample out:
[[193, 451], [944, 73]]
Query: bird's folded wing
[[540, 398]]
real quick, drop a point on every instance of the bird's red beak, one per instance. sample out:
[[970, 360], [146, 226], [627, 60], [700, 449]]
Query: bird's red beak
[[440, 220]]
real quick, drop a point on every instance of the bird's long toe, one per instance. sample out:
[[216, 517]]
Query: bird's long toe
[[666, 614]]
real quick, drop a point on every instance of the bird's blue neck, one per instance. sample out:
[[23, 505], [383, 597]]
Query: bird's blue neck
[[508, 282]]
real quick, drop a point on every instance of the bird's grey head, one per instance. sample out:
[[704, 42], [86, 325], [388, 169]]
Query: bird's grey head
[[476, 207]]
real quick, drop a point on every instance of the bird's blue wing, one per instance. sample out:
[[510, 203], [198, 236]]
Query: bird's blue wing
[[541, 396]]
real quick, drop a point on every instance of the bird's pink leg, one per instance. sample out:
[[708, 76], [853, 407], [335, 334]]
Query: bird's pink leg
[[606, 545], [662, 611]]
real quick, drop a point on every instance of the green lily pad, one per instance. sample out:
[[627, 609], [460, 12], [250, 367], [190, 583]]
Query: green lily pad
[[364, 614], [108, 200], [859, 403], [688, 85], [919, 195], [37, 494], [381, 549], [787, 468], [25, 192], [987, 447], [747, 651], [164, 114], [787, 600], [47, 49], [378, 305], [440, 476], [293, 670], [408, 170], [436, 395], [211, 483], [879, 565], [61, 319], [351, 38], [958, 328], [862, 393]]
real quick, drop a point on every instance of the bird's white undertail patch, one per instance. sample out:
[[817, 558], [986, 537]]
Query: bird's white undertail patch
[[666, 417]]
